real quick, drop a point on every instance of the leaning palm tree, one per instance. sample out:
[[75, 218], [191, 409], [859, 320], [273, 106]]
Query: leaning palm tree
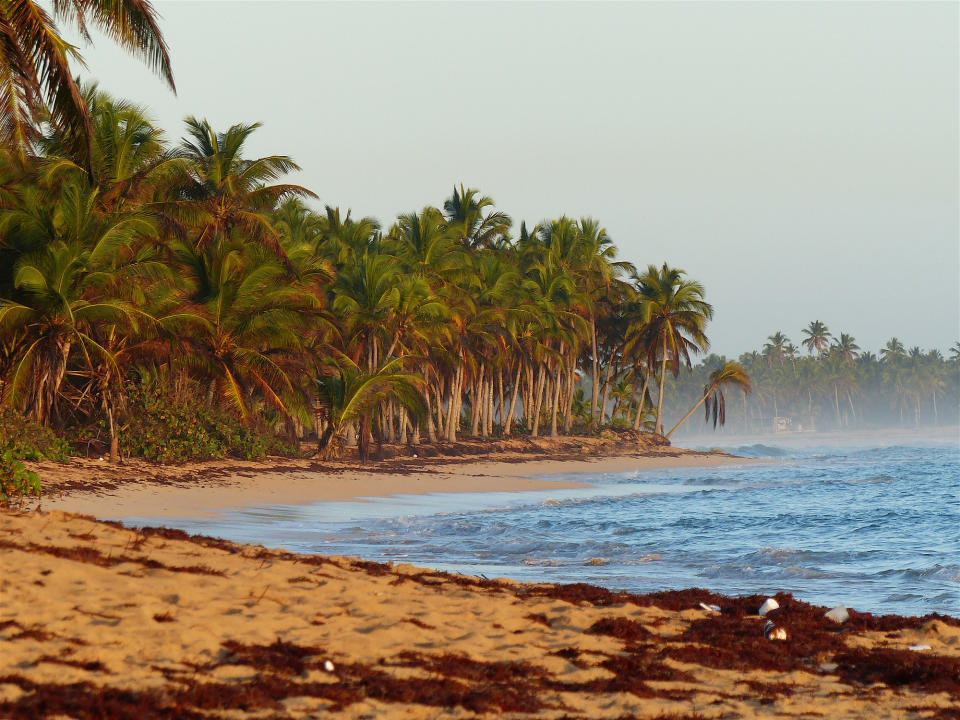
[[35, 75], [351, 396], [730, 374]]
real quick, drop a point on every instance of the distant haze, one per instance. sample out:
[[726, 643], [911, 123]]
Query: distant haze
[[800, 159]]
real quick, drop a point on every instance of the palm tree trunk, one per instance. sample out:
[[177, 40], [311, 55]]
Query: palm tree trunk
[[643, 399], [508, 421], [556, 400], [936, 415], [691, 412], [594, 375], [836, 401], [538, 399], [475, 407], [568, 401], [431, 431], [500, 385], [606, 392], [663, 377]]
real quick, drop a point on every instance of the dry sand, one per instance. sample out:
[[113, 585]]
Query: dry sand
[[100, 621], [138, 489]]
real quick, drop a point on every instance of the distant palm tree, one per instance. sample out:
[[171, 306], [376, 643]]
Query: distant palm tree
[[846, 348], [818, 337], [893, 349], [955, 351], [35, 74], [731, 374], [776, 347]]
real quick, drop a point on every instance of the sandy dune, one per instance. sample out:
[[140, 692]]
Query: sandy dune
[[101, 621]]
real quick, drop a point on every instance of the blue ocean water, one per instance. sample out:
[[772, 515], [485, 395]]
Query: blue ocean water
[[873, 528]]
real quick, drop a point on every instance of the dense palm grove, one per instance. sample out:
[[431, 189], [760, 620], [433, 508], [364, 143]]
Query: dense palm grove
[[176, 300], [830, 383]]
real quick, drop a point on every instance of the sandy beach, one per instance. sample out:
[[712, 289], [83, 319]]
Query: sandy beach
[[138, 489], [99, 620]]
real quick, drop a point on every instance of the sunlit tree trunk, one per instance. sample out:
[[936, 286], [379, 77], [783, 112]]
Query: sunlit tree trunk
[[594, 375], [643, 398], [508, 422], [663, 381]]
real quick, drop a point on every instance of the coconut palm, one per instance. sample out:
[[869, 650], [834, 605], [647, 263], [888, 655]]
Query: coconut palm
[[730, 374], [62, 290], [776, 347], [351, 396], [35, 75], [676, 318], [224, 192], [893, 349], [246, 333], [846, 348], [467, 220], [818, 337]]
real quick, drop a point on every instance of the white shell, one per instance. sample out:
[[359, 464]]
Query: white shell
[[917, 648], [838, 614], [768, 605], [710, 608], [328, 666]]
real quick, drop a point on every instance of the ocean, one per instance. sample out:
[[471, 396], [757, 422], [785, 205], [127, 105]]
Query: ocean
[[876, 529]]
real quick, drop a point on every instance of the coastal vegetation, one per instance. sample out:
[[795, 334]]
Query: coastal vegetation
[[176, 300], [831, 383]]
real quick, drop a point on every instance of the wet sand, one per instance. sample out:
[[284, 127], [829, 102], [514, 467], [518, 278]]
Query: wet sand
[[138, 489], [98, 620]]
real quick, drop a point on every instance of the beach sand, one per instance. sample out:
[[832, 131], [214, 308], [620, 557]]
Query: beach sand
[[139, 489], [101, 621]]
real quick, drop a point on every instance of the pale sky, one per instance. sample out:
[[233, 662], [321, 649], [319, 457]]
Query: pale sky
[[799, 159]]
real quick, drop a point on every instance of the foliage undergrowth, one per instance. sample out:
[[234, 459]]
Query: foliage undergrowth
[[15, 479], [161, 428], [24, 439]]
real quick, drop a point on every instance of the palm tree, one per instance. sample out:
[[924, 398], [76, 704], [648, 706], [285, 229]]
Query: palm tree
[[893, 349], [846, 348], [35, 75], [63, 290], [247, 332], [676, 318], [351, 396], [731, 374], [818, 337], [226, 193], [466, 219], [776, 347]]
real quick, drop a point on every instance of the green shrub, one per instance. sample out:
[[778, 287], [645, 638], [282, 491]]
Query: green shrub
[[160, 429], [26, 440], [15, 479]]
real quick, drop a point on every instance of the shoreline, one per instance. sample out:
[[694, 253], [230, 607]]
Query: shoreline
[[100, 618], [139, 489]]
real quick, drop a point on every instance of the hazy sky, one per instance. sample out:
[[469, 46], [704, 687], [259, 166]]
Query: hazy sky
[[800, 159]]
